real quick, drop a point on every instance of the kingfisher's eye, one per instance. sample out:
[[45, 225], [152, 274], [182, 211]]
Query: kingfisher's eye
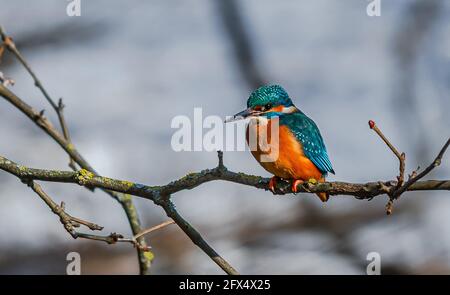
[[268, 106]]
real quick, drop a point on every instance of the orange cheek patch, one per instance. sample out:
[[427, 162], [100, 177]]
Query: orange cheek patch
[[277, 109]]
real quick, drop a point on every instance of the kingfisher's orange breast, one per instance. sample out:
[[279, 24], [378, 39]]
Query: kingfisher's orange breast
[[281, 155]]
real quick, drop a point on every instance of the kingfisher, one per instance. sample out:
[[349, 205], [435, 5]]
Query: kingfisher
[[296, 152]]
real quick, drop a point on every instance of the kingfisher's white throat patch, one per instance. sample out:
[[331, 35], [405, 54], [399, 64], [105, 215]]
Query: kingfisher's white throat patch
[[289, 110]]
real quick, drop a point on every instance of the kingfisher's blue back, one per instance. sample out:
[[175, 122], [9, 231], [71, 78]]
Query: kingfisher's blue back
[[308, 134]]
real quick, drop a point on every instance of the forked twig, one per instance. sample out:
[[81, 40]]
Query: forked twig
[[69, 222], [415, 177], [401, 186], [401, 156]]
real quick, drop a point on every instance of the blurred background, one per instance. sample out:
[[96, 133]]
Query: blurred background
[[126, 68]]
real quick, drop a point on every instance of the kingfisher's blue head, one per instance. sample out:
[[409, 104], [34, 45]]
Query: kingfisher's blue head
[[267, 101]]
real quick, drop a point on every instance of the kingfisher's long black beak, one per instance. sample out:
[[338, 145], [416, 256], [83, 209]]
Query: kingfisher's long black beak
[[242, 115]]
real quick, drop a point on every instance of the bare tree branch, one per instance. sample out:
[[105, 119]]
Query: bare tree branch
[[70, 222], [90, 180], [11, 46], [401, 187], [194, 235], [64, 141], [362, 191], [416, 177]]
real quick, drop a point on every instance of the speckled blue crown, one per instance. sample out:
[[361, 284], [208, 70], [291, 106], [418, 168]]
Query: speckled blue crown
[[274, 94]]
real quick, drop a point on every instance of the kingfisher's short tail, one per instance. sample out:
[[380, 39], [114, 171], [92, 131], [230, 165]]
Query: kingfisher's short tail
[[323, 196]]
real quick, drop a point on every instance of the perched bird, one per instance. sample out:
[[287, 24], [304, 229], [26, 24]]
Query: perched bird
[[299, 153]]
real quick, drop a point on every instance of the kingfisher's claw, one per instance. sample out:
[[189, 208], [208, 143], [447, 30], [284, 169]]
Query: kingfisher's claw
[[273, 184], [295, 183]]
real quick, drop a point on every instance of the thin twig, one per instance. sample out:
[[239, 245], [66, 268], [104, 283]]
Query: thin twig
[[135, 239], [65, 129], [70, 222], [110, 239], [114, 238], [2, 48], [414, 179], [11, 46], [58, 107], [154, 228], [67, 220], [6, 81], [401, 156]]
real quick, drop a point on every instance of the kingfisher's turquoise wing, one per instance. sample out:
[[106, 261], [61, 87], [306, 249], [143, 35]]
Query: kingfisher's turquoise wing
[[306, 131]]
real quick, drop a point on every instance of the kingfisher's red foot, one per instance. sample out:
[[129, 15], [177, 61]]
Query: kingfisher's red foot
[[295, 183], [273, 183]]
